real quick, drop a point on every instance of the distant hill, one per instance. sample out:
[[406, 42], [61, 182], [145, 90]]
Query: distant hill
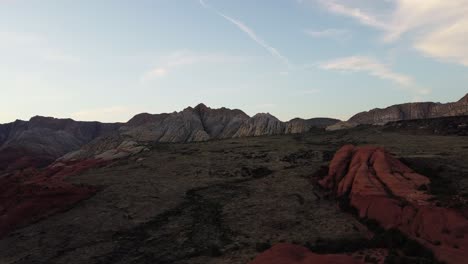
[[42, 140], [412, 111]]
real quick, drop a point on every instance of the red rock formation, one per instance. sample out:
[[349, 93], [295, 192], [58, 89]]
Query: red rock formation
[[29, 195], [293, 254], [382, 188]]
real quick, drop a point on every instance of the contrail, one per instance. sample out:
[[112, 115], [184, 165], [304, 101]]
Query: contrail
[[250, 33]]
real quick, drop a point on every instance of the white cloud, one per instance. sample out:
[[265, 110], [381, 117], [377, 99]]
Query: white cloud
[[374, 68], [448, 43], [368, 65], [251, 33], [436, 28]]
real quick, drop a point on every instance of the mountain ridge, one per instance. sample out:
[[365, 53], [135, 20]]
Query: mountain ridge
[[408, 111], [41, 140]]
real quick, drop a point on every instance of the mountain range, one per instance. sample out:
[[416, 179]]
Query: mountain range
[[42, 140]]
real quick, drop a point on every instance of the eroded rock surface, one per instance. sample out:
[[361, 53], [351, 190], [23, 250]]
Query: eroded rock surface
[[383, 189]]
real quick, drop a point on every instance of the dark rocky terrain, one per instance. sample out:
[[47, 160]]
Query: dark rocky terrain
[[455, 125], [217, 186], [225, 201]]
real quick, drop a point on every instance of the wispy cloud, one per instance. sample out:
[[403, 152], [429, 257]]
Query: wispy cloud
[[438, 27], [374, 68], [448, 44], [167, 64], [356, 13], [251, 33], [327, 33]]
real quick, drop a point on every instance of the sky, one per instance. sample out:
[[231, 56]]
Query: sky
[[107, 60]]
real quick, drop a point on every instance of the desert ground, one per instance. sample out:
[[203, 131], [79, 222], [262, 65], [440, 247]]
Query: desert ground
[[226, 201]]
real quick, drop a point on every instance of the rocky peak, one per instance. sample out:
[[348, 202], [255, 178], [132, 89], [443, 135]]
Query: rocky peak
[[201, 107], [50, 122], [141, 119], [464, 99], [265, 116]]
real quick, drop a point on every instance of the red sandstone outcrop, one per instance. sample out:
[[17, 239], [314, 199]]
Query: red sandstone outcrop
[[382, 188], [29, 195]]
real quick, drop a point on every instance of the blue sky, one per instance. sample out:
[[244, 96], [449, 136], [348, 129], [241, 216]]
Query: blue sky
[[108, 60]]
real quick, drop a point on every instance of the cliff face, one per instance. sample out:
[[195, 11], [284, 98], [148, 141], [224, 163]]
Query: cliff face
[[412, 111], [261, 124]]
